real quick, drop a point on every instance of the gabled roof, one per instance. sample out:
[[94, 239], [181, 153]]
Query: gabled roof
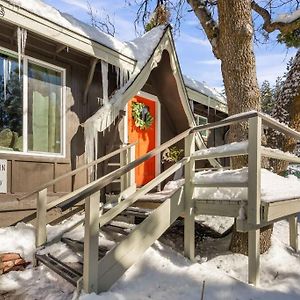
[[67, 21], [131, 50], [145, 52]]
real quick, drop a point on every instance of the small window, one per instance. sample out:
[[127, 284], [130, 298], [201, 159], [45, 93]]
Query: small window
[[31, 106], [200, 120]]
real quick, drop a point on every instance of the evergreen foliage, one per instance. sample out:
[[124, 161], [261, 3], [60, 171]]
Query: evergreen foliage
[[11, 106], [290, 39]]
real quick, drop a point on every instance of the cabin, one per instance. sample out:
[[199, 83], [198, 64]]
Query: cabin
[[85, 117], [71, 94]]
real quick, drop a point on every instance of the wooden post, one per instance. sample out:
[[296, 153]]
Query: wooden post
[[131, 174], [189, 215], [91, 236], [254, 190], [124, 162], [293, 224], [41, 218]]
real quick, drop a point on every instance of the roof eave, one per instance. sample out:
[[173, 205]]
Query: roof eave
[[41, 26]]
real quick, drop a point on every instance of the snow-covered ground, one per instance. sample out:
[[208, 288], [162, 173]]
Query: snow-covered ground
[[162, 273]]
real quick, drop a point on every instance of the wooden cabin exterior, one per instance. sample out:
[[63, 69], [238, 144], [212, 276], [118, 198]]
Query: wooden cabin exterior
[[47, 98]]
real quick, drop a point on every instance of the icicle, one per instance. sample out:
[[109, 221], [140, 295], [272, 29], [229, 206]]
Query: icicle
[[104, 71], [22, 38], [118, 75], [5, 67], [121, 77]]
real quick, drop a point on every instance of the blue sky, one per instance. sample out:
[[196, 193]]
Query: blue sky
[[194, 51]]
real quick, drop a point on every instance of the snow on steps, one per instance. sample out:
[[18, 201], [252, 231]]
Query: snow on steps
[[114, 261], [113, 265]]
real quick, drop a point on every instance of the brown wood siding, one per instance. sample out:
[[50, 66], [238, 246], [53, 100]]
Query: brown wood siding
[[26, 172]]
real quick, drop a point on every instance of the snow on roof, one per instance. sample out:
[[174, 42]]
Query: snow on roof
[[65, 20], [202, 88], [288, 18]]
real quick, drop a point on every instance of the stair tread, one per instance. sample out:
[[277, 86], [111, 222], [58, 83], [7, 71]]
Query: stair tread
[[78, 246], [118, 227], [60, 268]]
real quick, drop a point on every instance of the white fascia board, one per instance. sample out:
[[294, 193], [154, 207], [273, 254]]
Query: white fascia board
[[205, 100], [21, 17]]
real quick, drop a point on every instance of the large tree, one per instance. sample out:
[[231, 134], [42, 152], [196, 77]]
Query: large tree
[[228, 25]]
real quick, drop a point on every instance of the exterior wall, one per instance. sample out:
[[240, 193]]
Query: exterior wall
[[26, 172], [215, 137]]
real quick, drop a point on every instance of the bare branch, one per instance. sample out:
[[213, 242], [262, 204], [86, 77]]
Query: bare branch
[[270, 26], [105, 25], [208, 23]]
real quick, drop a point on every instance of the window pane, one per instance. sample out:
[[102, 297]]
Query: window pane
[[202, 121], [11, 104], [44, 109]]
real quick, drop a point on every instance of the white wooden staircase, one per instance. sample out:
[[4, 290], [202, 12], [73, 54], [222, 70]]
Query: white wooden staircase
[[102, 267]]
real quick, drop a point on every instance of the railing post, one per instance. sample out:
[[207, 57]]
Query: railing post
[[91, 236], [131, 174], [293, 225], [189, 215], [123, 162], [41, 218], [254, 190]]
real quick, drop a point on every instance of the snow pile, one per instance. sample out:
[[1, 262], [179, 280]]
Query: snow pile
[[65, 20], [288, 18], [203, 88], [217, 223], [19, 239], [162, 273], [273, 186]]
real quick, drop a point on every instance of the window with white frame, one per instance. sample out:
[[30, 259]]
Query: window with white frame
[[31, 106], [200, 120]]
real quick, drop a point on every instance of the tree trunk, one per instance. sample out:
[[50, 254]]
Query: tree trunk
[[242, 90], [238, 61], [287, 110]]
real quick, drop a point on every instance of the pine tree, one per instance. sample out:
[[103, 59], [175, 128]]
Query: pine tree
[[267, 97]]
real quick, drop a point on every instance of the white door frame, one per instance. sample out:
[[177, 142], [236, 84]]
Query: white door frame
[[157, 119]]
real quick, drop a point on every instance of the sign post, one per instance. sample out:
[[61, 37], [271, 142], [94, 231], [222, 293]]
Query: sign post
[[3, 176]]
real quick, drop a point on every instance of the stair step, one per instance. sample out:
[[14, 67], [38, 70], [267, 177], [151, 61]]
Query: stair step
[[78, 246], [60, 268], [135, 212], [117, 227]]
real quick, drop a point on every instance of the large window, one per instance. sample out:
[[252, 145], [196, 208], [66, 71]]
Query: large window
[[31, 106]]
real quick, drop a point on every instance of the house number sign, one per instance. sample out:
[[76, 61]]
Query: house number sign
[[3, 176]]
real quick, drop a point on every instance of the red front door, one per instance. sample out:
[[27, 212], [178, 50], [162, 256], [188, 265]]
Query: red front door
[[146, 139]]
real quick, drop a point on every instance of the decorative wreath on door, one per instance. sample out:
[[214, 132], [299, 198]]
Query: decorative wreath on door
[[141, 115]]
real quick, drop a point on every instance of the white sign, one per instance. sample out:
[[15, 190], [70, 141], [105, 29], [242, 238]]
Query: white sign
[[3, 176]]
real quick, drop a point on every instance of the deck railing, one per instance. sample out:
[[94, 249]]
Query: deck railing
[[90, 192], [255, 152]]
